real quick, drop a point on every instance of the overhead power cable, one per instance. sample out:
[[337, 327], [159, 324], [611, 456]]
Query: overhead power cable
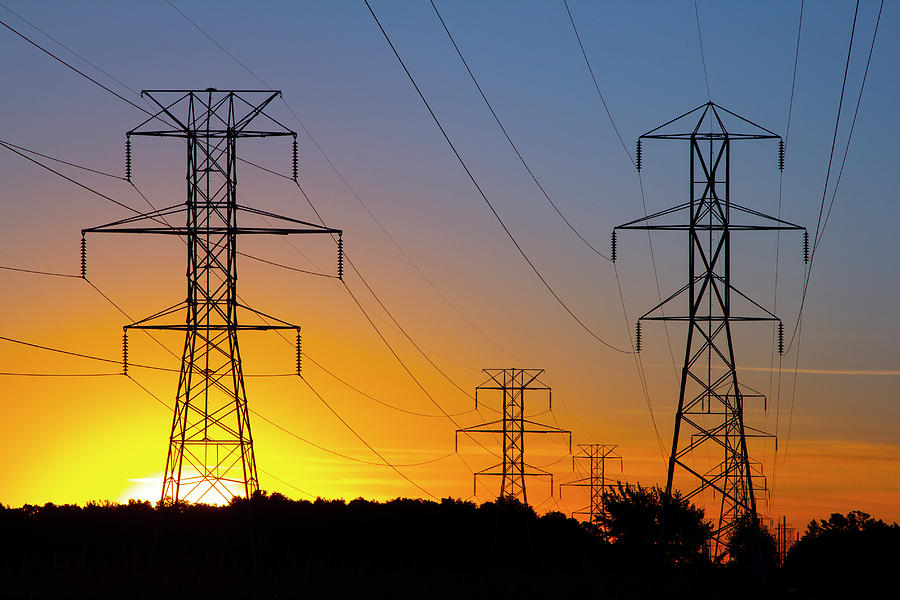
[[36, 272], [509, 139], [365, 443], [820, 232], [638, 362], [481, 192], [349, 187], [82, 73], [702, 55], [70, 164], [18, 374], [787, 134]]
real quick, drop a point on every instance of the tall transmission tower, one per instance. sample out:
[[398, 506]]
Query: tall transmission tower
[[595, 455], [210, 455], [513, 425], [711, 399]]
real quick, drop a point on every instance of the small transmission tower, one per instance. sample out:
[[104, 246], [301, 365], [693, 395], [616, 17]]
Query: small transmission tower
[[595, 455], [513, 426], [711, 399], [210, 446]]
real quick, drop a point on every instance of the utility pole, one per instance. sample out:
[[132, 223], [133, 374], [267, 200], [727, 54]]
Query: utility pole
[[711, 398], [596, 456], [513, 425], [210, 456], [782, 537]]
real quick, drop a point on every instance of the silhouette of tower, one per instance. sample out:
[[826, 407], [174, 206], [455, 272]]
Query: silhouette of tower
[[596, 456], [513, 425], [210, 454], [711, 399]]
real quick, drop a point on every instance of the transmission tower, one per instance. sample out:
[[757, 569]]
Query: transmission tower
[[711, 399], [596, 456], [513, 426], [210, 454]]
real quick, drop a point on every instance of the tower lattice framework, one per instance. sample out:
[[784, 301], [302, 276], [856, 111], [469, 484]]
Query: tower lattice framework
[[513, 427], [596, 457], [210, 450], [711, 400]]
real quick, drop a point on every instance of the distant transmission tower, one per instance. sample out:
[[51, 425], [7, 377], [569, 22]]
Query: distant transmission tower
[[596, 456], [711, 401], [513, 426], [210, 446]]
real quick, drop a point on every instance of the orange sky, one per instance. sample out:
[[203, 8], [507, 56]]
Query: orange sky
[[93, 438]]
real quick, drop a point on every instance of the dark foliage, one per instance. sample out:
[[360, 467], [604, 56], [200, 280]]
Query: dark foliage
[[748, 550], [638, 519], [849, 555], [401, 549]]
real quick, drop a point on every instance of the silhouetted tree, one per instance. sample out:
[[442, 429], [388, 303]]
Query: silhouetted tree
[[750, 551], [637, 519], [847, 554]]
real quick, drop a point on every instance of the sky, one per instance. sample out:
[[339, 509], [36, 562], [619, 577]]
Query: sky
[[448, 273]]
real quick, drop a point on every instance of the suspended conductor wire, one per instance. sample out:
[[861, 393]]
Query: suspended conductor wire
[[36, 272], [70, 164], [640, 368], [346, 184], [828, 169], [787, 134], [635, 164], [819, 233], [287, 483], [82, 73], [377, 400], [482, 193], [702, 55], [19, 374], [69, 179], [509, 139], [365, 443]]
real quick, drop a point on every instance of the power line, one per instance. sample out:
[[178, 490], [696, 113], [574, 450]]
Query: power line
[[59, 43], [365, 443], [71, 164], [638, 362], [702, 56], [18, 374], [69, 179], [482, 193], [787, 134], [509, 139], [820, 233], [35, 272], [82, 73], [352, 190], [631, 159]]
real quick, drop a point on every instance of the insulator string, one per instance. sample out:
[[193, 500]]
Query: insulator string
[[299, 355], [125, 352], [128, 158], [340, 268], [83, 257], [295, 160]]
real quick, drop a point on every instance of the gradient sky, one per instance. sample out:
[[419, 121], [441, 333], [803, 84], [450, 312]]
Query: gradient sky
[[77, 439]]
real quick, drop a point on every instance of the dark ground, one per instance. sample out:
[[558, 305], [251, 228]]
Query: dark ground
[[331, 549]]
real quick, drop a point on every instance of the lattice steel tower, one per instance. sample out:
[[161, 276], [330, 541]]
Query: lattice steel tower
[[596, 456], [210, 454], [513, 426], [711, 399]]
